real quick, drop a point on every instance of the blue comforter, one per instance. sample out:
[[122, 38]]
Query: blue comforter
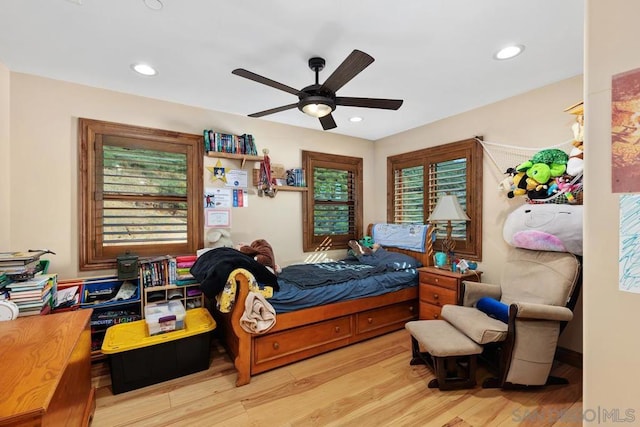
[[308, 285], [307, 276]]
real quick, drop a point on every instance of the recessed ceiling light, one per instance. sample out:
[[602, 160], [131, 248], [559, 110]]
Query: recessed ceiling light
[[144, 69], [153, 4], [509, 52], [355, 119]]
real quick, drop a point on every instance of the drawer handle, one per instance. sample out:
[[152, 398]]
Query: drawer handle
[[437, 280], [436, 296], [411, 308], [370, 320], [435, 316], [337, 328], [276, 345]]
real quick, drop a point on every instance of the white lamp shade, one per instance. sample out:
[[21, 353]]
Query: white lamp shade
[[448, 209]]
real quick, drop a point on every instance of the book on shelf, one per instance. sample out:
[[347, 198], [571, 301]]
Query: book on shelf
[[157, 271], [227, 143]]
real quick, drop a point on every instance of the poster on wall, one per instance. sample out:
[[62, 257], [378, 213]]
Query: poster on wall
[[625, 132], [629, 260], [218, 198]]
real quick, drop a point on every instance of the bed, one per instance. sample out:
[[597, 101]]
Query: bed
[[300, 333]]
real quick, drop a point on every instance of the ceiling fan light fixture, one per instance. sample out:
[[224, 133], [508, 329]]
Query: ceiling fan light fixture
[[317, 106]]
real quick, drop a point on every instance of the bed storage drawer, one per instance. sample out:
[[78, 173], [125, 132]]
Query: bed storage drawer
[[386, 317], [300, 342]]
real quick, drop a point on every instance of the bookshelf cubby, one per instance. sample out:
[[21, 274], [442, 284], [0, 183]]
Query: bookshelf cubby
[[190, 295]]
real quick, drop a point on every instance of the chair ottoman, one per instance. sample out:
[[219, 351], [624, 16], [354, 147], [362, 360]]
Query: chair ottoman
[[449, 352]]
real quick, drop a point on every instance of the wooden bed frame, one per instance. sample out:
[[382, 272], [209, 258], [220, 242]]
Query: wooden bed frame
[[308, 332]]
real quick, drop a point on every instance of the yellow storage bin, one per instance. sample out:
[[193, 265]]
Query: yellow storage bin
[[138, 360]]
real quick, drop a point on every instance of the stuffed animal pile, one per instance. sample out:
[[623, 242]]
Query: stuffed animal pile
[[550, 173]]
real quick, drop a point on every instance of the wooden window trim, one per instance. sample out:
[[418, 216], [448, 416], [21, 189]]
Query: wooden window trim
[[310, 160], [472, 151], [91, 257]]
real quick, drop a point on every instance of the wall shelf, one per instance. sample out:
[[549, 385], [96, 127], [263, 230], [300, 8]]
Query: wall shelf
[[290, 188], [253, 158], [241, 157]]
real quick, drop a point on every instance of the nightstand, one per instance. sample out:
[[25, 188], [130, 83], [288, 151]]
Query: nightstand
[[439, 287]]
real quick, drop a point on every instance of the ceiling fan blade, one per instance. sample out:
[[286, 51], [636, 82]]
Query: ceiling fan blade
[[350, 67], [274, 110], [265, 81], [387, 104], [327, 122]]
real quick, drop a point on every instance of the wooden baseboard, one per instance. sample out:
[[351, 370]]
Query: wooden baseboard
[[570, 357]]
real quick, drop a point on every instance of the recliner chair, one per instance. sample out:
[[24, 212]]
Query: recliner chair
[[540, 290]]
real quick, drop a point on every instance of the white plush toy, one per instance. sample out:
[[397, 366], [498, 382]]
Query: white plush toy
[[575, 164], [218, 238], [546, 227]]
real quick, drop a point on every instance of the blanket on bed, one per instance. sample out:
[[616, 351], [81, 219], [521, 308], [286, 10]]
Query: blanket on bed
[[306, 276], [213, 267]]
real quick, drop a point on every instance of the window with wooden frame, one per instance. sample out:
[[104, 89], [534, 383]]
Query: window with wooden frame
[[140, 191], [332, 208], [416, 180]]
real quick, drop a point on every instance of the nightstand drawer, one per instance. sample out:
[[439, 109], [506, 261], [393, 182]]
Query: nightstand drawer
[[429, 311], [437, 295], [432, 279]]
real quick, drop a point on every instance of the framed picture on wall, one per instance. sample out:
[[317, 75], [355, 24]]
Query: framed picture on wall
[[625, 132], [217, 218]]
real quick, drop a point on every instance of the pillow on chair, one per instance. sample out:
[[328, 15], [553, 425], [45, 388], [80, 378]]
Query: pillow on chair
[[494, 308]]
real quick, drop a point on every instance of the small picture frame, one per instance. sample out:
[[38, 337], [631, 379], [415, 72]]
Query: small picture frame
[[217, 218]]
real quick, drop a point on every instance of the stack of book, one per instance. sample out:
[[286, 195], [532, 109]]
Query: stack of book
[[227, 143], [4, 281], [20, 263], [35, 295], [183, 270], [157, 271]]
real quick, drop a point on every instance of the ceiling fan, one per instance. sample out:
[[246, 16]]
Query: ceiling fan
[[320, 100]]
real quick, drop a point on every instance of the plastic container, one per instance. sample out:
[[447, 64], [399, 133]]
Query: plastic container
[[138, 360], [164, 317]]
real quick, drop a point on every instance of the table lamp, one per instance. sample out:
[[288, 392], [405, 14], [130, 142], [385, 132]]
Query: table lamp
[[448, 209]]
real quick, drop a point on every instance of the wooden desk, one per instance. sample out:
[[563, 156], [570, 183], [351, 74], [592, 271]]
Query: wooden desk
[[45, 379]]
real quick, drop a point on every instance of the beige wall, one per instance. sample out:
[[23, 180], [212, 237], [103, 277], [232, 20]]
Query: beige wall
[[534, 119], [43, 176], [4, 157], [611, 374], [44, 163]]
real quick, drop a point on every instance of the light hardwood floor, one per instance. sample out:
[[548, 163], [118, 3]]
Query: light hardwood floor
[[366, 384]]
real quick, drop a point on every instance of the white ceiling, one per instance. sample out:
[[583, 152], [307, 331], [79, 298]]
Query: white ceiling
[[436, 55]]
